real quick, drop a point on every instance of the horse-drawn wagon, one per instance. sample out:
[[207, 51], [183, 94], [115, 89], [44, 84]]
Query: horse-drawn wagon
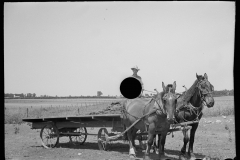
[[150, 117], [75, 127]]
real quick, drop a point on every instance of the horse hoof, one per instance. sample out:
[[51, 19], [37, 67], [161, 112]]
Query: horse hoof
[[132, 156], [163, 156], [206, 158], [191, 156], [146, 157], [182, 157]]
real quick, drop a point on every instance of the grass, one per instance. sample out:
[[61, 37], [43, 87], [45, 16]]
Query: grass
[[223, 106], [16, 110]]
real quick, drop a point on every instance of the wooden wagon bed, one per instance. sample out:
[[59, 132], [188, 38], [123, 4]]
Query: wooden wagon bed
[[106, 120], [74, 127]]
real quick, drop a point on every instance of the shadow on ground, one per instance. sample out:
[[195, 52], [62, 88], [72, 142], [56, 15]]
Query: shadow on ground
[[124, 148]]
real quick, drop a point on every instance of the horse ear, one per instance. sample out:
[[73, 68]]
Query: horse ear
[[205, 76], [174, 85], [198, 77], [163, 86]]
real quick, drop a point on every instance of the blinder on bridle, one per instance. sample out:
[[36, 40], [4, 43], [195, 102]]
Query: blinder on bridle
[[203, 90], [166, 95]]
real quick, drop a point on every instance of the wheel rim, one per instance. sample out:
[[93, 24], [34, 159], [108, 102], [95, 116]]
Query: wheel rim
[[49, 137], [102, 143], [79, 139]]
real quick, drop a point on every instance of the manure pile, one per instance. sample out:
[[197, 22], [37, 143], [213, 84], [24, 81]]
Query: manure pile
[[113, 108]]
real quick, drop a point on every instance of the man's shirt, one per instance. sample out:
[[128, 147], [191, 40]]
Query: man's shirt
[[139, 78]]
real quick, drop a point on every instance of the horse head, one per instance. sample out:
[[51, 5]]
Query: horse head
[[169, 100], [206, 89]]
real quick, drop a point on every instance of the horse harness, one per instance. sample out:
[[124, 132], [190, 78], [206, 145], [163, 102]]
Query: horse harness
[[161, 110], [158, 111], [197, 110]]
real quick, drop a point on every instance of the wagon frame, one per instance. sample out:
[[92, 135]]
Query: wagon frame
[[75, 127]]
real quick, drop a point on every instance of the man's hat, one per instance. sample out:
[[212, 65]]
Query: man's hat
[[135, 67]]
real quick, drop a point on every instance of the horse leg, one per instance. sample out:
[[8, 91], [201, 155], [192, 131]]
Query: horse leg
[[161, 153], [151, 132], [185, 140], [154, 143], [131, 149], [134, 131], [192, 136], [157, 143], [149, 144], [141, 144]]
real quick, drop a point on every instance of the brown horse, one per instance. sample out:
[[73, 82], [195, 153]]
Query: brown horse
[[190, 106], [157, 114]]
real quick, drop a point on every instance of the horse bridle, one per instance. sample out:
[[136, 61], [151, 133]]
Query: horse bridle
[[204, 93], [162, 110]]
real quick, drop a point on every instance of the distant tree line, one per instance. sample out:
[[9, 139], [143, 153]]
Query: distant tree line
[[215, 93], [223, 93], [99, 95], [28, 95]]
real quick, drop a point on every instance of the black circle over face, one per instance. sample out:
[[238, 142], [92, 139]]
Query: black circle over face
[[130, 88]]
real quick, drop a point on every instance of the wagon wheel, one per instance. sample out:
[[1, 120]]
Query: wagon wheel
[[49, 136], [102, 143], [80, 139]]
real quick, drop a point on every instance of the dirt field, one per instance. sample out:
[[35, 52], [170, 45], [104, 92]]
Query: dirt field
[[213, 138]]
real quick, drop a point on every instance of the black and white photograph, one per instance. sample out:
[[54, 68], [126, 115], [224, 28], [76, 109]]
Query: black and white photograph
[[116, 80]]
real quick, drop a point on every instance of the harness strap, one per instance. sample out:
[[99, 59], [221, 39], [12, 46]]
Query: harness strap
[[137, 122], [194, 110], [160, 107]]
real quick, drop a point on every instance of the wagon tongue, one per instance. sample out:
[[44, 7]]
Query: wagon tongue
[[109, 138]]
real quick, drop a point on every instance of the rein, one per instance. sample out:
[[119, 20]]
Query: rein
[[199, 87], [148, 91], [160, 108], [194, 110], [203, 102]]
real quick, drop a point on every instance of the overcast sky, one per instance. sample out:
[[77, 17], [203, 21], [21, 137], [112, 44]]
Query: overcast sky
[[79, 48]]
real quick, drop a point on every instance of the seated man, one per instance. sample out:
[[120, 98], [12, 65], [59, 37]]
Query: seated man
[[135, 70]]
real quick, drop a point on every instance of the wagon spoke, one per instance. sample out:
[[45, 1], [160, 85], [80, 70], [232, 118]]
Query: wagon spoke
[[49, 136], [44, 132], [81, 138], [44, 138]]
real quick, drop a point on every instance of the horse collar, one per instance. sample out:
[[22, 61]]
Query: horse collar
[[161, 110]]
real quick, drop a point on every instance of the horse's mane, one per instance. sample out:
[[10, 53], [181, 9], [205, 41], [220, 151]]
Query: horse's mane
[[189, 93]]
